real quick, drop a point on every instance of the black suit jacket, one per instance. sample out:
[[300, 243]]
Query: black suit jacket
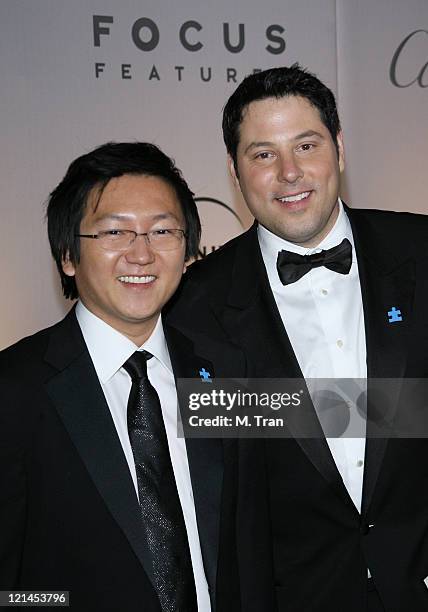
[[69, 515], [302, 545]]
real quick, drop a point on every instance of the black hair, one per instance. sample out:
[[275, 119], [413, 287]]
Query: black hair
[[67, 202], [278, 83]]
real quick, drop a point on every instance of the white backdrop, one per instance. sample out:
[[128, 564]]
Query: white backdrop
[[165, 70]]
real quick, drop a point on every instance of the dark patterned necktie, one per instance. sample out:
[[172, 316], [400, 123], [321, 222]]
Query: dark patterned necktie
[[161, 511], [291, 266]]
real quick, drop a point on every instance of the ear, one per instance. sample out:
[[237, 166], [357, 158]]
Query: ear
[[341, 151], [232, 171], [68, 267]]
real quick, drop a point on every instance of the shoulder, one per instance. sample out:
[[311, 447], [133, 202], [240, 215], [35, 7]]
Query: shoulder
[[387, 219], [25, 350], [206, 285], [22, 374], [27, 354], [213, 273], [391, 231], [220, 262]]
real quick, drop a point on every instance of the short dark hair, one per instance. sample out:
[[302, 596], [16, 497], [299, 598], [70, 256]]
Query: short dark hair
[[278, 83], [67, 202]]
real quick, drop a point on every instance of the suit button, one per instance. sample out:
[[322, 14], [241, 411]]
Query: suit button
[[365, 528]]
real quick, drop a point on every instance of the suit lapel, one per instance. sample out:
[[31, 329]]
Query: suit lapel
[[387, 281], [251, 315], [78, 397], [205, 458], [254, 322]]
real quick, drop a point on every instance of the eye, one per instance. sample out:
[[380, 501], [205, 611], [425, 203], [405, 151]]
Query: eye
[[263, 155], [306, 146], [161, 232], [114, 232]]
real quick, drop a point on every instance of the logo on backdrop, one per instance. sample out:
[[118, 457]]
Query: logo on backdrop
[[219, 224], [145, 36], [409, 64]]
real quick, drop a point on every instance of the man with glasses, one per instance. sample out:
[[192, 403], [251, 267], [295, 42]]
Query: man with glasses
[[98, 495]]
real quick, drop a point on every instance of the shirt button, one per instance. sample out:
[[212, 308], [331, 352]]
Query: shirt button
[[339, 343], [324, 291], [360, 463]]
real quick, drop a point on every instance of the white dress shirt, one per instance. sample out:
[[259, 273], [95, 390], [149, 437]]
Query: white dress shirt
[[109, 350], [323, 315]]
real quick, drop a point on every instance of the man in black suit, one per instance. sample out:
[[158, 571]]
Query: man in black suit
[[98, 494], [318, 290]]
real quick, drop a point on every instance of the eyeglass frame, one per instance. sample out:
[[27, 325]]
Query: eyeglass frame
[[136, 234]]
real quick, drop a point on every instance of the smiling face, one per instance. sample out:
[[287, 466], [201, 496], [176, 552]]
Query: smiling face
[[289, 169], [128, 289]]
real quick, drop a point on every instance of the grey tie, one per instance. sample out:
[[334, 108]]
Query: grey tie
[[161, 512]]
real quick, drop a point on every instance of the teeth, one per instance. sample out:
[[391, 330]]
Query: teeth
[[296, 198], [136, 279]]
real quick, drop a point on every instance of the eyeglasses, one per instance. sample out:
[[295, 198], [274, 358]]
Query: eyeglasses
[[121, 240]]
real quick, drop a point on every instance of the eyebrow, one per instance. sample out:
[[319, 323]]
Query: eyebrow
[[309, 134], [254, 145], [124, 217], [113, 217], [267, 143]]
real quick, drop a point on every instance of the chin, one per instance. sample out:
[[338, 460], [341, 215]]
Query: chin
[[137, 317]]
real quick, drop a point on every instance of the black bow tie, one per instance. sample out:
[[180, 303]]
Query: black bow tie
[[292, 266]]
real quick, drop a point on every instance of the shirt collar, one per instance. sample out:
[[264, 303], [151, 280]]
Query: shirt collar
[[109, 349]]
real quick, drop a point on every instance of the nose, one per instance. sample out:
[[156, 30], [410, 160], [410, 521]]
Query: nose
[[140, 251], [289, 169]]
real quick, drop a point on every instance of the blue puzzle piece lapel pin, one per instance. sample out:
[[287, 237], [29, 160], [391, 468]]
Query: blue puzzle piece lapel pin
[[205, 375], [394, 315]]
